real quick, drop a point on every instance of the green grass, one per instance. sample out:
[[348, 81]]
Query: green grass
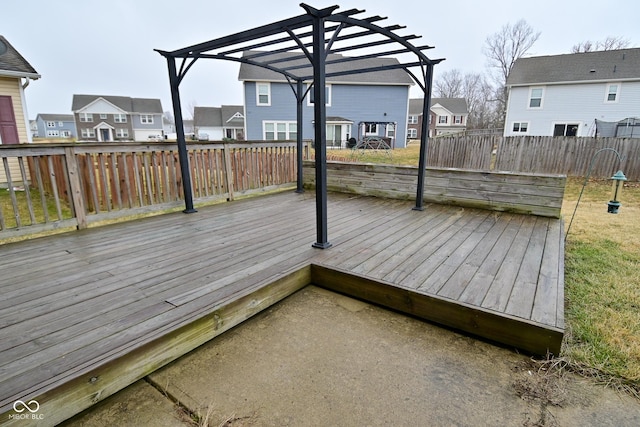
[[8, 213]]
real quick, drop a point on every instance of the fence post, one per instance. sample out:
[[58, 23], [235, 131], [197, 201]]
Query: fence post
[[228, 169], [76, 189]]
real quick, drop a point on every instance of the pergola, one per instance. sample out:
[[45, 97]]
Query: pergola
[[310, 38]]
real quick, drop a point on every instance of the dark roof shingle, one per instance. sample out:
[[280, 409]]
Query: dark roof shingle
[[125, 103], [13, 64], [622, 64]]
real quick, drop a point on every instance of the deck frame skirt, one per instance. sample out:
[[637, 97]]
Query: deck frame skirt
[[127, 299]]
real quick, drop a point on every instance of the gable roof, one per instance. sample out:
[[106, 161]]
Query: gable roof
[[56, 117], [12, 64], [457, 106], [218, 116], [125, 103], [207, 116], [609, 65], [385, 77]]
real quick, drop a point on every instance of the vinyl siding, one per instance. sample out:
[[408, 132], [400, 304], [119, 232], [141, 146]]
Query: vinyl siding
[[11, 87], [353, 102], [571, 103]]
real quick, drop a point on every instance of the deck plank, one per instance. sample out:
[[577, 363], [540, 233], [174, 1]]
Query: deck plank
[[89, 298]]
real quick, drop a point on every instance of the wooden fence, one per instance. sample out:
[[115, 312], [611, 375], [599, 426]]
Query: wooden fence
[[532, 154], [52, 186]]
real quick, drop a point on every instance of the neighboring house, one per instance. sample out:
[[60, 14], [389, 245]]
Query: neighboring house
[[33, 127], [447, 115], [218, 123], [357, 105], [105, 118], [564, 95], [56, 126], [15, 75]]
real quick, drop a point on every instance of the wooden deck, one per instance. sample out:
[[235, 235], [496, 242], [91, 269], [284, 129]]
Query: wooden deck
[[86, 313]]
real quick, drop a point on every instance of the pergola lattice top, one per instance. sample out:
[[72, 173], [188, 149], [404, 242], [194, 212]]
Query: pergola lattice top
[[298, 48]]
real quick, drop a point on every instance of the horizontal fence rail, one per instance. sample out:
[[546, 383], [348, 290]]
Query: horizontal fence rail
[[47, 186]]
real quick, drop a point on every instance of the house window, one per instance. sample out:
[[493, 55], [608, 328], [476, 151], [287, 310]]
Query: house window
[[566, 129], [51, 124], [327, 96], [88, 133], [122, 133], [520, 127], [391, 130], [370, 128], [612, 92], [120, 118], [280, 131], [65, 134], [457, 119], [413, 120], [86, 117], [263, 94], [103, 116], [53, 133], [146, 119], [60, 124], [535, 97], [443, 119], [412, 133]]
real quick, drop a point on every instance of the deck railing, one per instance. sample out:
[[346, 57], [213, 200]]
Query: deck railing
[[50, 186]]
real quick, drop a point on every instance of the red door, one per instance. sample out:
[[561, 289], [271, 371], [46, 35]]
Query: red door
[[8, 128]]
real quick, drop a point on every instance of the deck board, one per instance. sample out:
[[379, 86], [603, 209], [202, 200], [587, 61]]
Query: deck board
[[77, 301]]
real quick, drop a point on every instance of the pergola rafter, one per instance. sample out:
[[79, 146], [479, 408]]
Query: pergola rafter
[[299, 49]]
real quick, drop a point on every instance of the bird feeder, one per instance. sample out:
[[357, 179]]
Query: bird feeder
[[618, 182]]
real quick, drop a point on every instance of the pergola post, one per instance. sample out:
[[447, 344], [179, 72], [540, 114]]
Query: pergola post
[[320, 130], [299, 100], [424, 137], [183, 156]]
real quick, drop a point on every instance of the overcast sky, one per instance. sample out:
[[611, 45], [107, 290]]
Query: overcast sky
[[106, 47]]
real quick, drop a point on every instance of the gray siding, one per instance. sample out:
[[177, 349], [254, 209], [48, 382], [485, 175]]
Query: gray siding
[[575, 103]]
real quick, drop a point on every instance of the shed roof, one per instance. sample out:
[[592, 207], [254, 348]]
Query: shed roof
[[12, 64], [453, 105], [207, 116], [610, 65]]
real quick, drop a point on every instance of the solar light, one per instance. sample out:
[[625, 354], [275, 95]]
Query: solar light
[[618, 182]]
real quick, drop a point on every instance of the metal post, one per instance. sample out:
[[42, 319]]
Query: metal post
[[320, 131], [182, 145], [424, 137], [299, 99]]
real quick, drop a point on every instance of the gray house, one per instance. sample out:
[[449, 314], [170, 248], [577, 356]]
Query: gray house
[[218, 123], [568, 95], [358, 105], [105, 118], [56, 126]]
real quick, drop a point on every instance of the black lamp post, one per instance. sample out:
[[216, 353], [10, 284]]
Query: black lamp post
[[618, 182]]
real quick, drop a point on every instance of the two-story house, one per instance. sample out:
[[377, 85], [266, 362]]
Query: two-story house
[[15, 75], [565, 95], [218, 123], [104, 118], [446, 116], [56, 126], [357, 105]]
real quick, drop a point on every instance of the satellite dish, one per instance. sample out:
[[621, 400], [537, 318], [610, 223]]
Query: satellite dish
[[3, 47]]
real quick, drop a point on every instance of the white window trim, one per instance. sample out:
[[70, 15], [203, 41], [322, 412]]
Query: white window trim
[[329, 96], [122, 133], [413, 120], [519, 132], [531, 89], [412, 133], [393, 127], [51, 124], [275, 129], [146, 119], [86, 117], [606, 92], [121, 118], [263, 104]]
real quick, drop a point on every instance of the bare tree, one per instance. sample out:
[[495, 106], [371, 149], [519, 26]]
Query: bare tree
[[474, 88], [610, 43], [503, 48]]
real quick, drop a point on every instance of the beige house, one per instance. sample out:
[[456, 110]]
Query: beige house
[[15, 75]]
